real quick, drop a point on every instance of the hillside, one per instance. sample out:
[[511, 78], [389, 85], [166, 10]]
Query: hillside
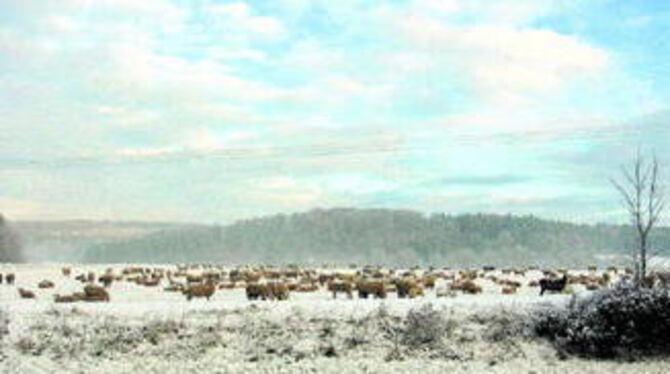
[[376, 236]]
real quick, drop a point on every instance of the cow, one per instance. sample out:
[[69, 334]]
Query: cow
[[255, 291], [467, 286], [10, 278], [278, 290], [106, 279], [408, 285], [375, 288], [26, 294], [549, 284], [95, 293], [339, 286], [46, 284], [205, 290]]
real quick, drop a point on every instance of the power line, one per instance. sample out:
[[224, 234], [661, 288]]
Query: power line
[[529, 137]]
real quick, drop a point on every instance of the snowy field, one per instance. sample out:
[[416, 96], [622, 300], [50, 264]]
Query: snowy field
[[148, 330]]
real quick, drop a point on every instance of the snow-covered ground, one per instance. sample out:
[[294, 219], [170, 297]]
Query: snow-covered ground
[[148, 330]]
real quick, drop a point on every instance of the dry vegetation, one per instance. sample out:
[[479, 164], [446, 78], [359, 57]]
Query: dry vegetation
[[479, 327]]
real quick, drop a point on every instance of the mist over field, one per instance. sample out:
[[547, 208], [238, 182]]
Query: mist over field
[[337, 236]]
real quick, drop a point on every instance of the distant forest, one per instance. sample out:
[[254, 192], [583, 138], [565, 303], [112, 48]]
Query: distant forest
[[378, 236]]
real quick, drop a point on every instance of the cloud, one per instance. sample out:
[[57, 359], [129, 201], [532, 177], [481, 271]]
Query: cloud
[[238, 15], [506, 64]]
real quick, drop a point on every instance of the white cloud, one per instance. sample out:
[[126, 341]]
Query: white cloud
[[140, 71], [239, 16], [505, 63]]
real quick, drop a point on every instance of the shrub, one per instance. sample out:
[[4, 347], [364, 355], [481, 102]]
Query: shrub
[[425, 326], [621, 322]]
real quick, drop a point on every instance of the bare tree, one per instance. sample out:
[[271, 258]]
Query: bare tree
[[643, 197]]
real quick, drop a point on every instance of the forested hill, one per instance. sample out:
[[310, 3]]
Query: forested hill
[[377, 236]]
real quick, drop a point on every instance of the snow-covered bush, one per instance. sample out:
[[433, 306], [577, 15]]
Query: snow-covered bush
[[621, 322]]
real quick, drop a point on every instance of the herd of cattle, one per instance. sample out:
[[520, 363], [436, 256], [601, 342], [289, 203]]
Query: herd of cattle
[[272, 283]]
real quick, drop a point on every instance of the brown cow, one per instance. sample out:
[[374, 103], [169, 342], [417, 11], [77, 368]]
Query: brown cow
[[46, 284], [106, 279], [95, 293], [375, 288], [10, 278], [255, 291], [267, 291], [405, 285], [340, 286], [26, 294], [205, 290], [278, 290], [467, 286]]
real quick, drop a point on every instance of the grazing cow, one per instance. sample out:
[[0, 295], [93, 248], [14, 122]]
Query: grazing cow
[[407, 285], [267, 291], [255, 291], [10, 278], [548, 284], [375, 288], [46, 284], [467, 286], [205, 290], [278, 290], [66, 271], [339, 286], [106, 279], [26, 294], [95, 293]]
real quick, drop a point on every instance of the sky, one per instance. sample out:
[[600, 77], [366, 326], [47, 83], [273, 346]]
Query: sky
[[211, 111]]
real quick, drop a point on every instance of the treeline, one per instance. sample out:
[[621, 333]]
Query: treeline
[[379, 236]]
